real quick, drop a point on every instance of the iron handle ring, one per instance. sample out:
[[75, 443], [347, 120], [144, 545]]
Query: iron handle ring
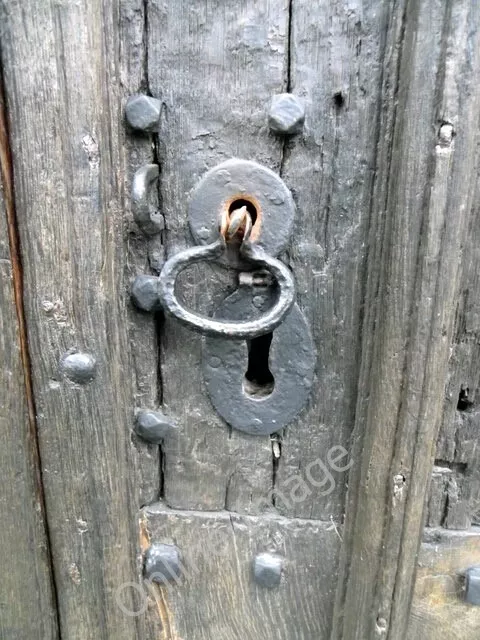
[[208, 326]]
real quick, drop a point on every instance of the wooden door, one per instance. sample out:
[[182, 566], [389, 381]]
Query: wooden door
[[386, 261]]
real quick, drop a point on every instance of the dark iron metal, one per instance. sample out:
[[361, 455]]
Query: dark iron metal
[[144, 293], [78, 367], [287, 114], [143, 112], [162, 563], [207, 326], [153, 426], [245, 182], [242, 215], [472, 585], [148, 218], [291, 362], [267, 570]]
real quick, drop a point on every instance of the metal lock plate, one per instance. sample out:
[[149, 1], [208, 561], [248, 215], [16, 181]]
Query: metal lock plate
[[241, 214], [291, 362], [261, 189]]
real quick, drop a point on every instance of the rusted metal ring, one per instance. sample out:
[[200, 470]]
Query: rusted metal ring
[[238, 222], [211, 327]]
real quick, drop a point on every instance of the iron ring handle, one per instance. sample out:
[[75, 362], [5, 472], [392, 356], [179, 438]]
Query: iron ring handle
[[208, 326]]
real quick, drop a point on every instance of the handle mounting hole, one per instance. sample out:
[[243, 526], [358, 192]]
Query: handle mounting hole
[[237, 203]]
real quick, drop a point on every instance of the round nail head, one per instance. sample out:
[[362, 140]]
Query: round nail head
[[144, 293], [79, 367], [287, 114], [162, 563], [267, 570], [153, 426], [143, 112], [472, 586]]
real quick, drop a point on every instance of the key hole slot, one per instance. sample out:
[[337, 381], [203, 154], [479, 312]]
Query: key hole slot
[[238, 203], [259, 380]]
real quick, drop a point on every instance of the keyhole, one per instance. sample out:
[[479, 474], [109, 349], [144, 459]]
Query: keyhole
[[259, 380], [239, 203]]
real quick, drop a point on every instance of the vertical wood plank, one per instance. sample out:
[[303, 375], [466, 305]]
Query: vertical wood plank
[[27, 600], [216, 66], [137, 150], [424, 188], [336, 61], [456, 503], [68, 70]]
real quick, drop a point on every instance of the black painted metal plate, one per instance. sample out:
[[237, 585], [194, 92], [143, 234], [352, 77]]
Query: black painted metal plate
[[291, 361]]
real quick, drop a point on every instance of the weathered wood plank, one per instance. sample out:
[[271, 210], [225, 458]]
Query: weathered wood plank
[[336, 64], [458, 440], [423, 195], [217, 596], [393, 148], [439, 610], [138, 149], [27, 601], [68, 69], [215, 66]]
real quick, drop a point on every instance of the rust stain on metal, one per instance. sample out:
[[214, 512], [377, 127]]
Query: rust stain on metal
[[257, 226]]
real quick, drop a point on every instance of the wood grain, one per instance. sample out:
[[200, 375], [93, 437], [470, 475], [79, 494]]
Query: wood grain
[[216, 66], [217, 596], [423, 195], [27, 599], [335, 68], [384, 177], [439, 610], [456, 503], [68, 70]]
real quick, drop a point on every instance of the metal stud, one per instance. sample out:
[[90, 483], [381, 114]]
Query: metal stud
[[153, 426], [267, 570], [78, 367], [162, 563], [144, 293], [287, 114], [472, 585], [143, 112]]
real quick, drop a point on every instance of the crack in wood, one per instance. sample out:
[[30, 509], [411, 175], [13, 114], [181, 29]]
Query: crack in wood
[[7, 180]]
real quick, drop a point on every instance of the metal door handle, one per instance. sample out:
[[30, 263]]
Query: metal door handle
[[254, 254], [241, 215]]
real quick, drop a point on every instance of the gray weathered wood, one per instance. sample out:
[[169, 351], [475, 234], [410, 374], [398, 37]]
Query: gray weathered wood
[[217, 596], [215, 66], [27, 600], [383, 176], [423, 196], [439, 610], [336, 61], [458, 505], [68, 70]]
